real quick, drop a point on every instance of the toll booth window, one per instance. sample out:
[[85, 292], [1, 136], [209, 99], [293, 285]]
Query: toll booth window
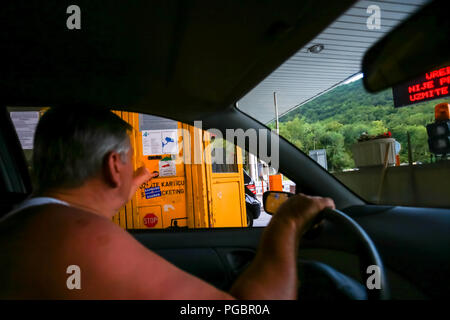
[[223, 156], [213, 193]]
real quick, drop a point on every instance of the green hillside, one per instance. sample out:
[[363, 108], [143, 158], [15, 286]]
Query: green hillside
[[336, 119]]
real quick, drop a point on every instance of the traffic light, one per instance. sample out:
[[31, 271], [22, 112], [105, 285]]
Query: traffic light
[[439, 131], [439, 137]]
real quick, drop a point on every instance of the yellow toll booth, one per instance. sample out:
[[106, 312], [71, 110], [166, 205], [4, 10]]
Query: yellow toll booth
[[191, 190]]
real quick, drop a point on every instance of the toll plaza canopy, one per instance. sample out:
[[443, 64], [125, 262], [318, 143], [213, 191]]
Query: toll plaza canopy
[[331, 58]]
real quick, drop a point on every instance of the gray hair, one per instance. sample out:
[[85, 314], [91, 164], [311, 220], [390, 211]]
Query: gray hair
[[70, 145]]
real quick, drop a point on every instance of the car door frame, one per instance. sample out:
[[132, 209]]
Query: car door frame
[[14, 174]]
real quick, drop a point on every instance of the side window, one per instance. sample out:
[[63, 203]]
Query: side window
[[25, 121], [203, 181]]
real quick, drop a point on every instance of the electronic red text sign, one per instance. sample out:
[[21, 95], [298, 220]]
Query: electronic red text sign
[[432, 85]]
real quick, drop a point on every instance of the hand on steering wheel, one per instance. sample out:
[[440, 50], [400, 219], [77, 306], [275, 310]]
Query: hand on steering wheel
[[308, 212]]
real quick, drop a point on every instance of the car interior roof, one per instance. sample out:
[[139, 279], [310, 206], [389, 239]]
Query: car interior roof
[[179, 59]]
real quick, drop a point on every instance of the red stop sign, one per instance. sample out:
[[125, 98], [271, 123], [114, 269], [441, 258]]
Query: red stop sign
[[150, 220]]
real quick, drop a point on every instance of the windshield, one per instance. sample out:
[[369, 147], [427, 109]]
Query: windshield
[[377, 147]]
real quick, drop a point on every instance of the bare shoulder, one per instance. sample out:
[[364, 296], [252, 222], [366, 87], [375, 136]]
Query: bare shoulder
[[44, 242], [81, 226], [72, 228], [93, 239], [113, 265]]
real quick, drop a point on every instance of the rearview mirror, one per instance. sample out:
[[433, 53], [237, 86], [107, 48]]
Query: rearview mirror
[[272, 200], [416, 46]]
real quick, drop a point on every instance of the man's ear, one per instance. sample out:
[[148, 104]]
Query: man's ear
[[111, 169]]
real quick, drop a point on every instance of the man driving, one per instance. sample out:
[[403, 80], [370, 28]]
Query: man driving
[[82, 177]]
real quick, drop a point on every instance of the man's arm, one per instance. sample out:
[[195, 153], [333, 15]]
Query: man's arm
[[273, 272], [116, 266]]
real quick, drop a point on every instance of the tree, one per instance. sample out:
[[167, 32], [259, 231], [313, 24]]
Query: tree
[[335, 120]]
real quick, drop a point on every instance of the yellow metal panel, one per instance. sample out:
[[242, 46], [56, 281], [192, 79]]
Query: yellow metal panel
[[189, 179], [171, 197], [125, 215], [169, 193], [116, 219], [241, 186], [133, 120], [208, 169], [226, 203], [199, 181], [122, 219], [228, 196]]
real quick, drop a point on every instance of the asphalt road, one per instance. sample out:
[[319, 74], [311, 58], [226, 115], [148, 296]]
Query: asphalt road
[[264, 218]]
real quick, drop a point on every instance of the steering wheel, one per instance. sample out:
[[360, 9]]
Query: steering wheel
[[365, 248]]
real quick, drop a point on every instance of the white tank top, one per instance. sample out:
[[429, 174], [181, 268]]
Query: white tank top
[[33, 202]]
